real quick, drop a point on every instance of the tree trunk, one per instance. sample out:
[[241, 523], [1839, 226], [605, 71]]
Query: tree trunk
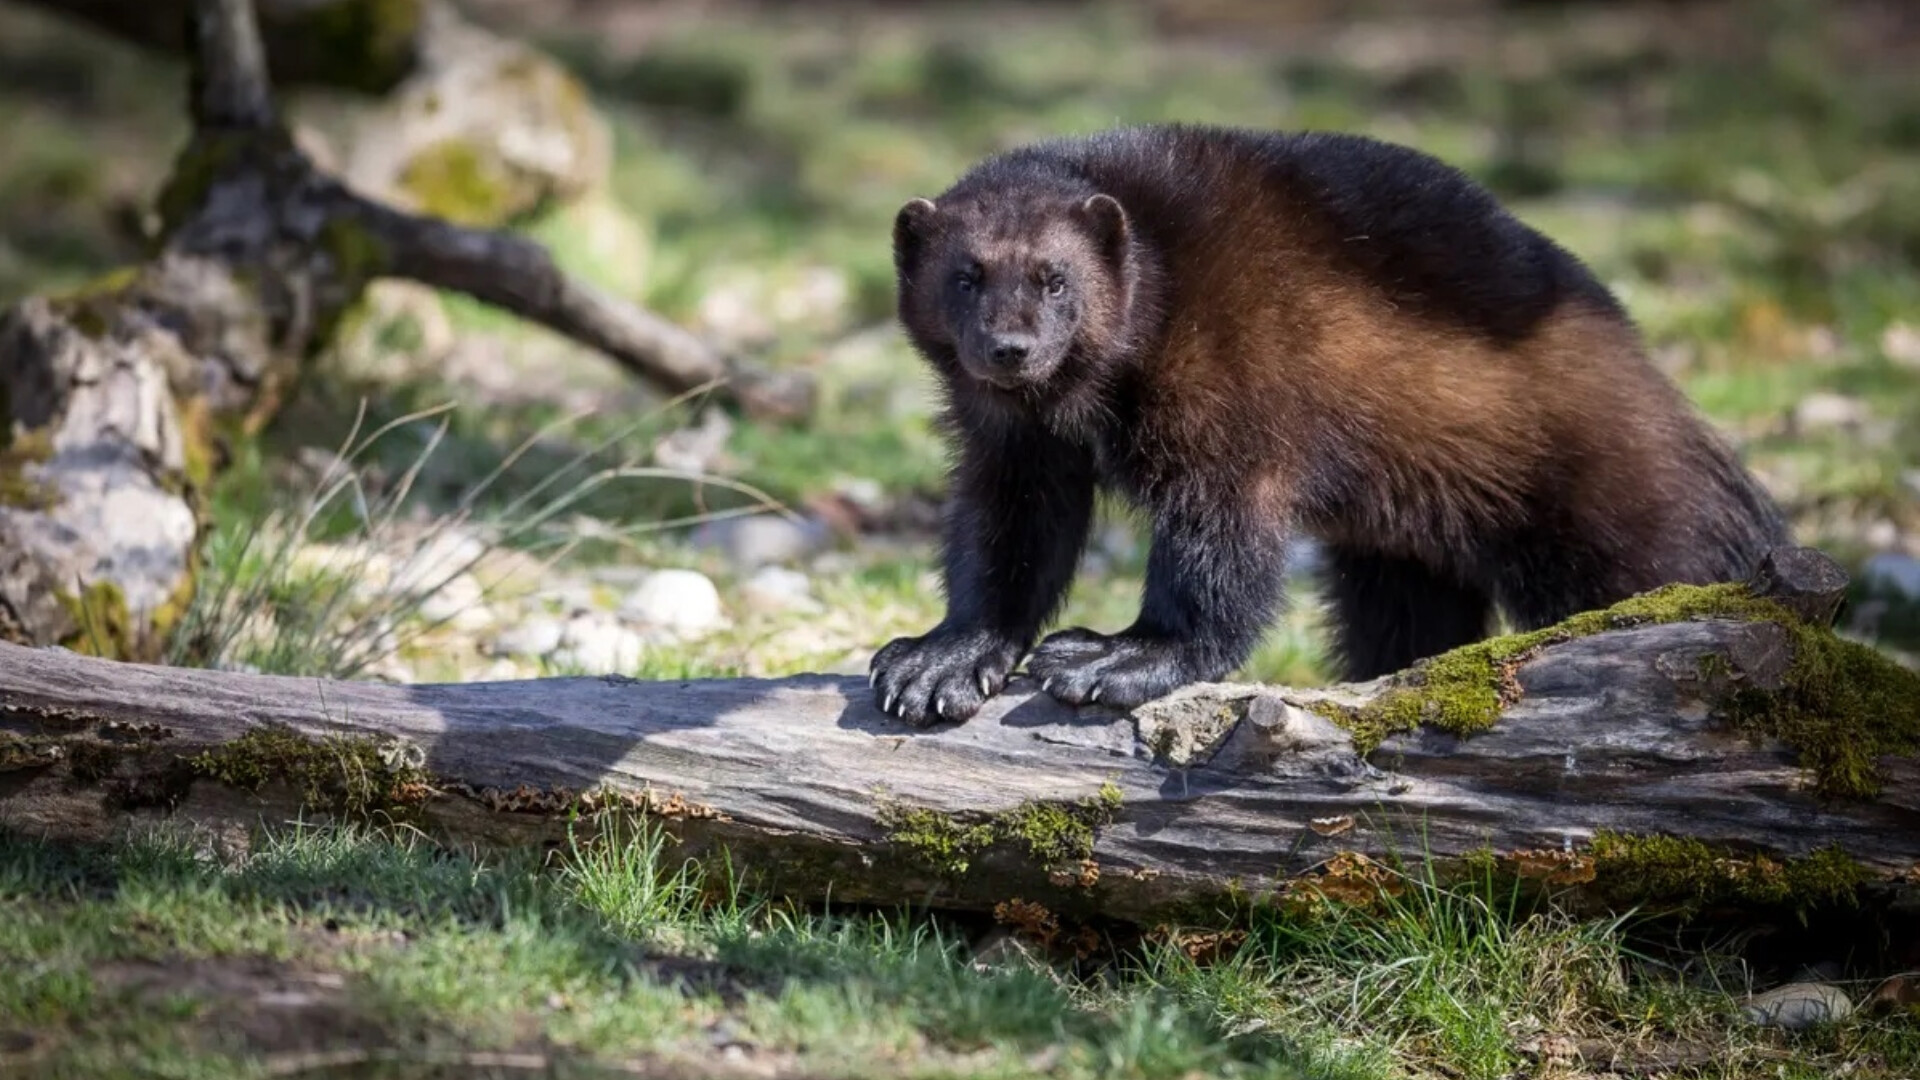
[[1216, 796], [117, 395]]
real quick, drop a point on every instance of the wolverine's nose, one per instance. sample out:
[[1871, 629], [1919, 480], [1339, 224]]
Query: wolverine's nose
[[1010, 349]]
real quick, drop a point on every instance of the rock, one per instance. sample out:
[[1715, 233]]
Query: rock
[[367, 571], [776, 588], [1901, 344], [1822, 411], [750, 542], [502, 670], [534, 637], [863, 493], [488, 130], [751, 306], [459, 603], [1893, 574], [398, 330], [1117, 541], [695, 449], [1797, 1005], [445, 554], [597, 644], [684, 601]]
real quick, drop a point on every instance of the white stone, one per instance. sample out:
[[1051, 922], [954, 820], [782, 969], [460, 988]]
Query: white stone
[[536, 636], [460, 604], [750, 542], [444, 555], [684, 601], [1822, 411], [597, 645], [776, 588], [1798, 1005]]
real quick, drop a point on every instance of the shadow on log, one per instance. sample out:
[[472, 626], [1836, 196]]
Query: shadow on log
[[1215, 797]]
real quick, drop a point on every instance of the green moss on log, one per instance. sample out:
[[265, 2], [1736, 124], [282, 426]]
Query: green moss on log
[[1051, 833], [1464, 691], [1684, 873], [356, 776], [1843, 705]]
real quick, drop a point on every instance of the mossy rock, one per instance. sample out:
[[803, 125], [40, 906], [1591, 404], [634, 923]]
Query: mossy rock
[[487, 139]]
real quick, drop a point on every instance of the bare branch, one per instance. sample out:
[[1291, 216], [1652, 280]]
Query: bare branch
[[519, 276]]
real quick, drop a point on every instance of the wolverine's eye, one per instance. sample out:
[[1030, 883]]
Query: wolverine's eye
[[965, 280], [1056, 285]]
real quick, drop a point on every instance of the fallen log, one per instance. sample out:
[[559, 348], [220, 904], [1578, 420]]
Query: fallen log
[[1642, 755]]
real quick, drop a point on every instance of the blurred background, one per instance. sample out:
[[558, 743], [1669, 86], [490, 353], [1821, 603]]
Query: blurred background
[[1745, 175]]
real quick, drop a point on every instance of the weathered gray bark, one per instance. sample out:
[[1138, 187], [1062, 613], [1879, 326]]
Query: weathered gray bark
[[115, 393], [810, 789]]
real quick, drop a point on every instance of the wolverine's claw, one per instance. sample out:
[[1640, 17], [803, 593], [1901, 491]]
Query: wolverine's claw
[[986, 688], [873, 678], [887, 706], [1046, 685], [1094, 696]]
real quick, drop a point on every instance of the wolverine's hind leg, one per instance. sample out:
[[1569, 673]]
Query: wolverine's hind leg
[[1390, 611]]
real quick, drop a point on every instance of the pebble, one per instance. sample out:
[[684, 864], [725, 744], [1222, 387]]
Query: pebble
[[1118, 542], [597, 644], [1893, 574], [752, 542], [1797, 1005], [1826, 412], [1901, 344], [369, 572], [695, 449], [680, 600], [536, 636], [776, 588], [440, 558], [459, 604]]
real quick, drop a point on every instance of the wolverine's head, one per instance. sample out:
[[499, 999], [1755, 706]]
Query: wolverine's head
[[1014, 290]]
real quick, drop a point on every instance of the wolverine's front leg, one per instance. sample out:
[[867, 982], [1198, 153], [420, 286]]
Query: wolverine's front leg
[[1016, 521], [1213, 585]]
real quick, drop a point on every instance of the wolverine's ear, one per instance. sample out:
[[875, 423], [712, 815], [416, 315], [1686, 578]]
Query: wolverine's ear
[[1107, 221], [910, 232]]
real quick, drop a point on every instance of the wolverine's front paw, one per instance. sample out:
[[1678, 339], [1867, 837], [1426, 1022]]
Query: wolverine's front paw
[[944, 675], [1080, 667]]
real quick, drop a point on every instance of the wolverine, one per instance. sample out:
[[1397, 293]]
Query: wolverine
[[1250, 336]]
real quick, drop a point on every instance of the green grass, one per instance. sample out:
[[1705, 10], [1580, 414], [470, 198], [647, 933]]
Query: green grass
[[166, 953], [611, 953]]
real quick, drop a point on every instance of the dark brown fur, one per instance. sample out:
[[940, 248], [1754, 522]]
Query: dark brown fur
[[1251, 334]]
